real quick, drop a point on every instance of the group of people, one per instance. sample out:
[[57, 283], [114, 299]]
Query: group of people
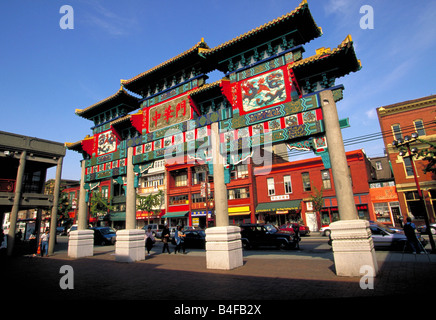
[[179, 238]]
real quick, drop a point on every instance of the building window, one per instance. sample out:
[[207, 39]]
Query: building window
[[378, 165], [240, 171], [396, 130], [197, 197], [105, 192], [287, 183], [180, 177], [326, 182], [419, 127], [306, 181], [408, 166], [182, 199], [239, 193], [198, 177], [270, 184]]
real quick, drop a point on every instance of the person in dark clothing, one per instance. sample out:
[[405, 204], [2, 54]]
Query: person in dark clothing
[[165, 239], [409, 231], [296, 228]]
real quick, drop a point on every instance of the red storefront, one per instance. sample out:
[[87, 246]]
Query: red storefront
[[190, 194], [286, 192]]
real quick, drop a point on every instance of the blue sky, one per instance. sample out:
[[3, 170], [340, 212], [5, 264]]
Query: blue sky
[[47, 72]]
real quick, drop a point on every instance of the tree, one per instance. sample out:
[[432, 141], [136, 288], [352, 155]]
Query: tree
[[428, 154], [149, 202], [99, 205], [318, 203]]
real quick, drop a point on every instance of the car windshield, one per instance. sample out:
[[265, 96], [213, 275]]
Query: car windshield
[[107, 230], [386, 229], [271, 228]]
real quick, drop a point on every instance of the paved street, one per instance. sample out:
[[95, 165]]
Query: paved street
[[267, 276]]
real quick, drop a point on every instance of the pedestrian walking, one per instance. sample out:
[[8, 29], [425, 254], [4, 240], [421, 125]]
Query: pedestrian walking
[[409, 230], [296, 236], [180, 240], [44, 243], [166, 239], [149, 240]]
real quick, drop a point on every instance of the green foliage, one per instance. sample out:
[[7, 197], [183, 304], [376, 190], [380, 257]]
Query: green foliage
[[150, 201], [428, 154], [99, 204]]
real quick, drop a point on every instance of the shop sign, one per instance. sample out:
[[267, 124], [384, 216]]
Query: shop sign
[[281, 197]]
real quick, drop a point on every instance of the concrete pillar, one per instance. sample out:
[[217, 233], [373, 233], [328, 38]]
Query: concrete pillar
[[81, 241], [54, 209], [82, 214], [352, 244], [130, 192], [130, 244], [223, 242], [16, 205]]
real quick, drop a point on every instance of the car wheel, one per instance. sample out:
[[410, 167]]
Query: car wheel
[[433, 230], [245, 245], [327, 233], [283, 245]]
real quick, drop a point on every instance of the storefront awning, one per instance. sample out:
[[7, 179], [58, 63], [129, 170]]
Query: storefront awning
[[177, 214], [278, 206]]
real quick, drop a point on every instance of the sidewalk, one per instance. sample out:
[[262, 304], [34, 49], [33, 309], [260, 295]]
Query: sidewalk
[[264, 276]]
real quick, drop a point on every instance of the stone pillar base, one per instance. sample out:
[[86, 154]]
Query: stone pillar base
[[81, 243], [130, 245], [223, 248], [353, 248]]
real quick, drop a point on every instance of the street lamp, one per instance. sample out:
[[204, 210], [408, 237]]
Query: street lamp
[[411, 152]]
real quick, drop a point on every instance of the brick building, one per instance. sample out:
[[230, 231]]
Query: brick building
[[285, 194], [398, 121]]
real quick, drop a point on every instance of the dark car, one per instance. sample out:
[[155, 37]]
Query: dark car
[[304, 230], [195, 239], [104, 235], [261, 235]]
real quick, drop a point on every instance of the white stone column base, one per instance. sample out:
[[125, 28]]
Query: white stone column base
[[353, 248], [223, 248], [130, 245], [81, 244]]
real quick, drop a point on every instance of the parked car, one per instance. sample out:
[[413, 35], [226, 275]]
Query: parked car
[[60, 231], [104, 236], [326, 230], [195, 239], [304, 230], [72, 228], [423, 229], [156, 229], [386, 238], [261, 235]]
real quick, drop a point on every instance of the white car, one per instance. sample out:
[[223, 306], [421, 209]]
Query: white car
[[72, 228], [325, 231]]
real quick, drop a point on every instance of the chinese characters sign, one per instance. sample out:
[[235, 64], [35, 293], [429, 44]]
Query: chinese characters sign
[[107, 142], [169, 113]]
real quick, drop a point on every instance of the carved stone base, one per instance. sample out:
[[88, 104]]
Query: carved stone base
[[130, 245], [353, 247], [223, 248], [81, 244]]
